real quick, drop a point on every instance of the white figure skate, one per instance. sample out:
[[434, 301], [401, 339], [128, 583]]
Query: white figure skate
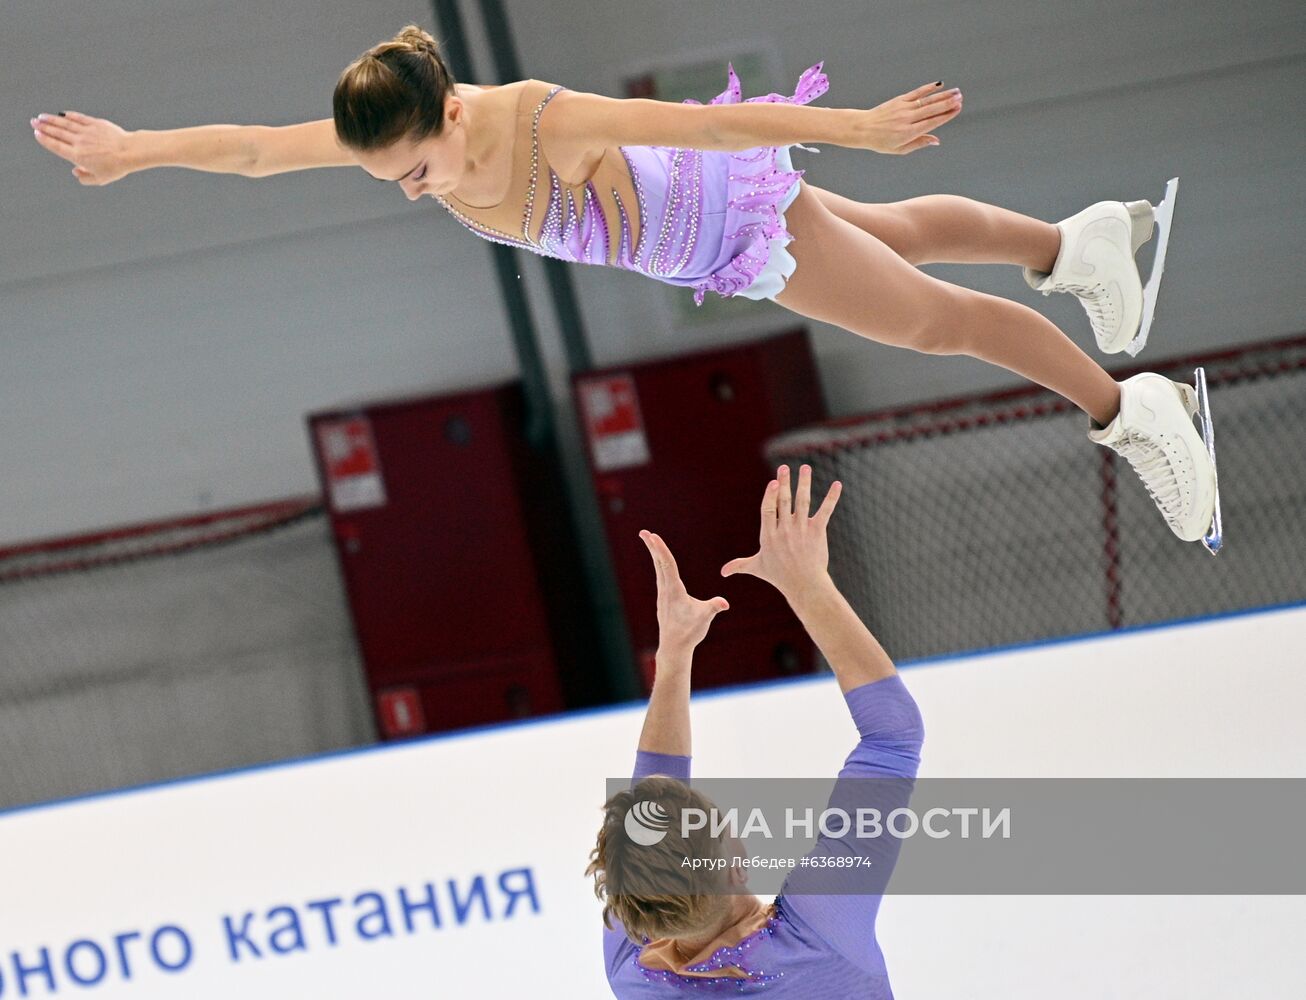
[[1154, 432], [1096, 263]]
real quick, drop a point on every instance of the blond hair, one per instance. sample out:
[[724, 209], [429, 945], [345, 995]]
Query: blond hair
[[393, 90], [647, 888]]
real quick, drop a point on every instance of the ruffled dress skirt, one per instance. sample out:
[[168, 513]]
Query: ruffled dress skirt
[[714, 221], [778, 262]]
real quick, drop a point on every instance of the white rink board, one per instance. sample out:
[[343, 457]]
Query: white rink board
[[1220, 698]]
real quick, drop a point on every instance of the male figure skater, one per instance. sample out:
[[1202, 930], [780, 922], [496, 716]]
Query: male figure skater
[[728, 940]]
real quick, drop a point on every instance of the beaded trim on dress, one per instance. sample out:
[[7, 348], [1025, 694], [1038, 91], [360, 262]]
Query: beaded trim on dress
[[523, 242], [731, 956], [762, 186]]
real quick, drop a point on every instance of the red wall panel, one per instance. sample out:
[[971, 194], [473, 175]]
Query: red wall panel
[[675, 446], [443, 529]]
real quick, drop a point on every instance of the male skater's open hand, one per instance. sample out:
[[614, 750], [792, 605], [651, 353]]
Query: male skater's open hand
[[683, 621], [793, 556], [794, 559]]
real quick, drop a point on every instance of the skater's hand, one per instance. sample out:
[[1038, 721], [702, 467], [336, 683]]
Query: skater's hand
[[683, 621], [903, 124], [793, 555], [97, 148]]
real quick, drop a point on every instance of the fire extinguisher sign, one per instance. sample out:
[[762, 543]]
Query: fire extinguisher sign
[[349, 459], [613, 421]]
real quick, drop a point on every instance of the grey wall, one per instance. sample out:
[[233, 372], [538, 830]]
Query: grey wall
[[161, 338], [1066, 104]]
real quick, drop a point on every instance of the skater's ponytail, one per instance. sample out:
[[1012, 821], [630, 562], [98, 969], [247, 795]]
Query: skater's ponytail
[[393, 90], [646, 886]]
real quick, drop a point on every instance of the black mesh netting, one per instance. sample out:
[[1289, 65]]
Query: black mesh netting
[[996, 521], [153, 655]]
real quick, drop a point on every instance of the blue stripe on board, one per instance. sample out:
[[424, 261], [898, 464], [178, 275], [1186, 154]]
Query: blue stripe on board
[[566, 717]]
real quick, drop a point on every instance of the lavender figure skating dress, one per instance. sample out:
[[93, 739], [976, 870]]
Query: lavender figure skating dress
[[709, 220]]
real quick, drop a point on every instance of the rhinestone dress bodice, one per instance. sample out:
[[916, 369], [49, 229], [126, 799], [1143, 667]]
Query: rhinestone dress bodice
[[587, 223], [688, 217]]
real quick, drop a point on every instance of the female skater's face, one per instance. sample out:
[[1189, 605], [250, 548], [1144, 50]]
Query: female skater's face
[[430, 166]]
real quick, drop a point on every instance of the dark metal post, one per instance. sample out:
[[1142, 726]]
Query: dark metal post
[[600, 580], [535, 383], [565, 308]]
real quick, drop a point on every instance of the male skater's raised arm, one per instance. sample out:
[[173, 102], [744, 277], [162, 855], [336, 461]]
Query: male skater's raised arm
[[683, 621], [793, 557]]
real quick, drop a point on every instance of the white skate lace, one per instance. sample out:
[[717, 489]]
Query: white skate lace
[[1096, 303], [1156, 471]]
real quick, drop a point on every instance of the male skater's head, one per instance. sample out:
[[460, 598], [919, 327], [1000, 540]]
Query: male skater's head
[[649, 887]]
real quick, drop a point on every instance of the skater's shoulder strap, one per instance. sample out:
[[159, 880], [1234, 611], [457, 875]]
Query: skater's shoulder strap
[[545, 212], [513, 218]]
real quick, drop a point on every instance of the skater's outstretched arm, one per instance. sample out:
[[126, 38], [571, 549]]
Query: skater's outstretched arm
[[899, 125], [683, 622], [102, 152], [793, 557]]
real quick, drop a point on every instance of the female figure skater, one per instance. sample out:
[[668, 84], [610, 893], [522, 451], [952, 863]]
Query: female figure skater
[[706, 197], [727, 940]]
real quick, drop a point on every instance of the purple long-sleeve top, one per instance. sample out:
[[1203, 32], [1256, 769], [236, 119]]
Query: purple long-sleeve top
[[814, 946]]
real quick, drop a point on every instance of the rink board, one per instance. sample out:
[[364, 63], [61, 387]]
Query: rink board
[[417, 870]]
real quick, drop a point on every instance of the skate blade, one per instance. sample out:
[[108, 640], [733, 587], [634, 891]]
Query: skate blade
[[1163, 218], [1214, 537]]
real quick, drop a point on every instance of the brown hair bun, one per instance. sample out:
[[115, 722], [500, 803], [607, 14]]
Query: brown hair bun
[[393, 90]]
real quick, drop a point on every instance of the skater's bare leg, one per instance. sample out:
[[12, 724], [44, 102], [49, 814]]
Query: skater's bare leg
[[949, 229], [850, 278]]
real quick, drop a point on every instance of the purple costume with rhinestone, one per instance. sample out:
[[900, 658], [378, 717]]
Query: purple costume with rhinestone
[[815, 946], [709, 220]]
